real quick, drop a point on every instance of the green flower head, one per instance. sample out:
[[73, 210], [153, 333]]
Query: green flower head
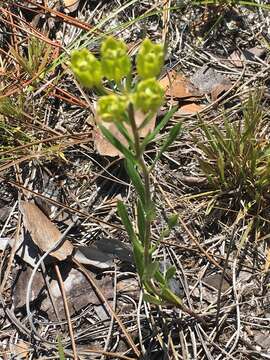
[[112, 108], [150, 59], [114, 59], [86, 68], [149, 95]]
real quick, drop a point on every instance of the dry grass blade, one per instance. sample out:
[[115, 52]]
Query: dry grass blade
[[43, 232], [62, 288]]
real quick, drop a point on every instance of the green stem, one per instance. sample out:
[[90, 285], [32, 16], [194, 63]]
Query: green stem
[[146, 179]]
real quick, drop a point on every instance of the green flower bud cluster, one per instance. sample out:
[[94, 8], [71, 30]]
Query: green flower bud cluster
[[112, 108], [86, 68], [115, 65], [150, 59], [148, 95], [114, 59]]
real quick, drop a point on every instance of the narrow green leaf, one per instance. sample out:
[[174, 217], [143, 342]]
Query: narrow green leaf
[[135, 178], [221, 167], [152, 299], [138, 253], [211, 139], [150, 270], [208, 168], [141, 221], [206, 149], [60, 347], [171, 137], [150, 137], [172, 220], [117, 144], [170, 273], [160, 278], [122, 129], [122, 211], [168, 295]]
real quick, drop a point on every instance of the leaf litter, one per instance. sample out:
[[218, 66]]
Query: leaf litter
[[88, 186]]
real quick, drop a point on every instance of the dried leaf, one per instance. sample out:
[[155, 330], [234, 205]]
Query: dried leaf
[[214, 281], [178, 86], [189, 109], [116, 248], [105, 148], [218, 90], [43, 232], [207, 80], [20, 350], [129, 286], [4, 241], [92, 256], [262, 339], [26, 251], [237, 57]]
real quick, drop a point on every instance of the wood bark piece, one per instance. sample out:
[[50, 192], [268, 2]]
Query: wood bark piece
[[43, 231]]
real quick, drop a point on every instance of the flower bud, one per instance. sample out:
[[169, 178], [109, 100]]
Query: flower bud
[[86, 68], [149, 95], [114, 59], [112, 108], [150, 59]]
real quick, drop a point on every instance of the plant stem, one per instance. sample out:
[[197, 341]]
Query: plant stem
[[146, 179]]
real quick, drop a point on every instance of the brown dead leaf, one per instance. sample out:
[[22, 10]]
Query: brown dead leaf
[[105, 148], [20, 350], [90, 255], [219, 89], [178, 86], [129, 287], [43, 232], [238, 57], [189, 109], [214, 281]]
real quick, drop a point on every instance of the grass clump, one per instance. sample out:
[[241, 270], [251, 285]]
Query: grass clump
[[236, 160]]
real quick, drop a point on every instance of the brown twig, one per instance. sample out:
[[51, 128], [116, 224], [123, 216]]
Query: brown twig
[[62, 288]]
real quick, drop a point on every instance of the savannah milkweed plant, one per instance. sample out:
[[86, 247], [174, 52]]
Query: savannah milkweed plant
[[119, 105]]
